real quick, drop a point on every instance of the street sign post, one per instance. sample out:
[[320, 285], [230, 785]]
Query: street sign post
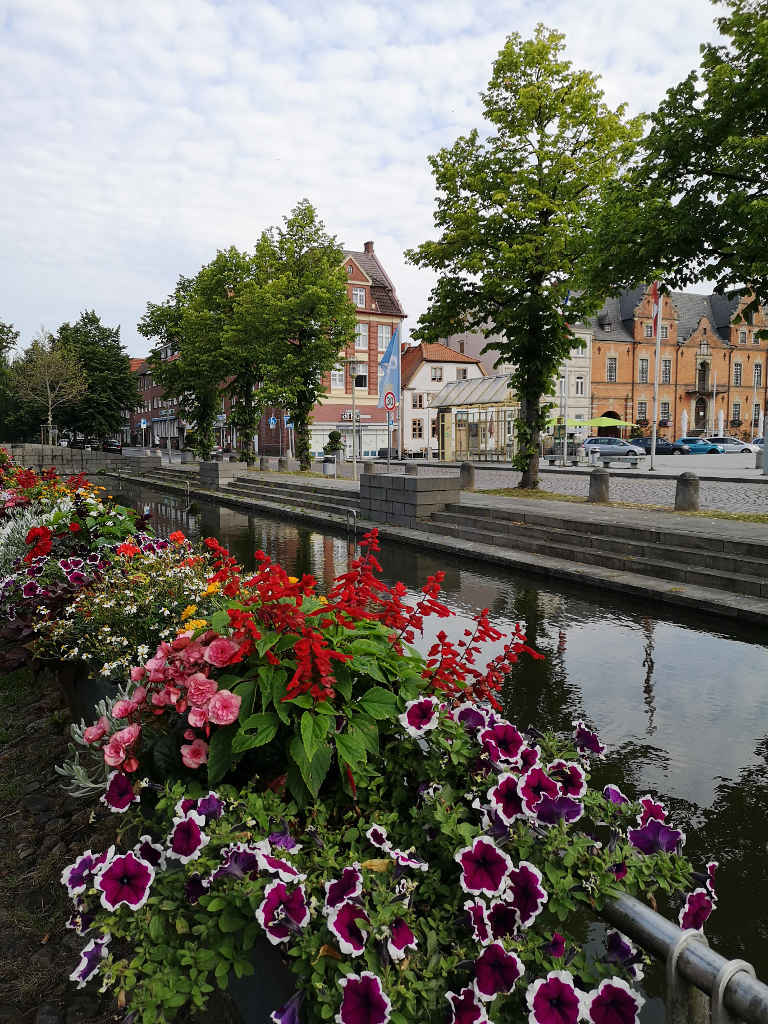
[[389, 401]]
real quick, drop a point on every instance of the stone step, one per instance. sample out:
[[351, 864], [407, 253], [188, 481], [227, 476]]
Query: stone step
[[701, 534], [297, 485], [659, 567], [630, 547], [318, 502]]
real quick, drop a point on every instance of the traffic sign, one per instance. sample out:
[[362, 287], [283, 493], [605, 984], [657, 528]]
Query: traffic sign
[[143, 424], [272, 422], [389, 401]]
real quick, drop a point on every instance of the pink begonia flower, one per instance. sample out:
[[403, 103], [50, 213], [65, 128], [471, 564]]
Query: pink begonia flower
[[200, 689], [95, 732], [224, 707], [138, 672], [220, 652], [156, 668], [123, 708], [194, 754], [127, 736], [197, 718], [189, 734], [114, 753], [139, 695]]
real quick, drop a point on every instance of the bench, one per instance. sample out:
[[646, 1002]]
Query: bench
[[631, 460], [552, 460]]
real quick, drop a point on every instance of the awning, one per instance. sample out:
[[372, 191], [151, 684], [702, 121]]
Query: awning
[[481, 391]]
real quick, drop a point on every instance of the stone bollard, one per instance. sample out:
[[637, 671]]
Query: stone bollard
[[687, 493], [411, 469], [370, 468], [599, 485], [467, 476], [759, 460]]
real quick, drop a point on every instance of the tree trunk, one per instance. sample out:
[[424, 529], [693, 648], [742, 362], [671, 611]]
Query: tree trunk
[[530, 415], [301, 436]]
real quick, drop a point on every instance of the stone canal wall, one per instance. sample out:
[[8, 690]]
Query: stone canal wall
[[69, 461]]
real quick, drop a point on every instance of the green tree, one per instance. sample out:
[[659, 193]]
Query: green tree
[[695, 208], [46, 376], [9, 338], [514, 210], [111, 387], [292, 317]]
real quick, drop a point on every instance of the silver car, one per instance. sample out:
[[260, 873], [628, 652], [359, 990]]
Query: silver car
[[611, 446], [732, 444]]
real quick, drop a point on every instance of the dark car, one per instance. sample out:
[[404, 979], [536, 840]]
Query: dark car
[[393, 453], [112, 445], [663, 446]]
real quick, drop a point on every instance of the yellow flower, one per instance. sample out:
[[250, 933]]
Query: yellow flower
[[322, 600], [189, 610], [212, 588], [293, 579], [196, 623]]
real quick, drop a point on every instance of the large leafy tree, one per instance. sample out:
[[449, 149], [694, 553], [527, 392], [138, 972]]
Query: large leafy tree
[[9, 338], [46, 377], [111, 387], [292, 318], [514, 209], [695, 207]]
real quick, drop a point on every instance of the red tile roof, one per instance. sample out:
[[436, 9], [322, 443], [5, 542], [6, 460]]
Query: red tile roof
[[430, 352], [135, 364]]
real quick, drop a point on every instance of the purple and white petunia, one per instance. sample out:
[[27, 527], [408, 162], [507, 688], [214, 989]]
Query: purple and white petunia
[[614, 795], [79, 876], [289, 1013], [126, 879], [284, 841], [282, 911], [406, 859], [377, 835], [211, 806], [503, 743], [465, 1008], [343, 923], [187, 838], [656, 837], [503, 919], [621, 950], [526, 893], [363, 1000], [478, 919], [277, 866], [699, 904], [419, 716], [484, 868], [119, 794], [496, 971], [184, 806], [90, 960], [533, 786], [151, 852], [338, 890], [238, 861], [530, 757], [613, 1002], [505, 799], [470, 716], [712, 867], [554, 999], [550, 811], [650, 808], [400, 940], [570, 777], [556, 946], [586, 740]]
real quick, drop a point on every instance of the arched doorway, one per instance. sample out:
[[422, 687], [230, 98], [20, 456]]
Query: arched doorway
[[700, 415], [609, 431]]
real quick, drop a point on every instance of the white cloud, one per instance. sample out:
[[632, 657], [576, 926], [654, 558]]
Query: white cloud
[[139, 138]]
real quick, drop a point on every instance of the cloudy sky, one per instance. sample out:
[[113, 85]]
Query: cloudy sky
[[138, 137]]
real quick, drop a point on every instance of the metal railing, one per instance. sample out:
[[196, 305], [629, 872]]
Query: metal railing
[[701, 984]]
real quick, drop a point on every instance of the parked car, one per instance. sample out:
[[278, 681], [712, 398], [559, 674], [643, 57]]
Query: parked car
[[611, 446], [112, 445], [731, 444], [759, 442], [84, 442], [393, 453], [700, 445], [663, 446]]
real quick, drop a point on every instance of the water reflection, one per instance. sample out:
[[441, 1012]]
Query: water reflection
[[680, 698]]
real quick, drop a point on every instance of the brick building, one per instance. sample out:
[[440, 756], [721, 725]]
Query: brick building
[[713, 364]]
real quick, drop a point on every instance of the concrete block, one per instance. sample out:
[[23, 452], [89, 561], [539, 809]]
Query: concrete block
[[216, 474], [599, 486], [687, 493], [467, 476], [411, 469]]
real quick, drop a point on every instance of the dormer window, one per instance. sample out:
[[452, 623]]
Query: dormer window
[[358, 297]]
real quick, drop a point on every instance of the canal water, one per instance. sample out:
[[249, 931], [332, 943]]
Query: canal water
[[681, 699]]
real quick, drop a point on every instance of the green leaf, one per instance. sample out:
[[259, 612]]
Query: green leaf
[[312, 772], [278, 692], [245, 691], [350, 746], [368, 732], [231, 920], [314, 729], [255, 731], [378, 702], [220, 753], [219, 620], [369, 667]]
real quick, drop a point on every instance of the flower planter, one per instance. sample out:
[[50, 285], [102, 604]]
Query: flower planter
[[81, 690], [270, 986]]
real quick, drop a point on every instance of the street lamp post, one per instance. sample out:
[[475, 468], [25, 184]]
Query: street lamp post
[[352, 364]]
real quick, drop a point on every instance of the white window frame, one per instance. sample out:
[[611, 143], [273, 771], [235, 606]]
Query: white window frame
[[666, 371], [664, 332], [417, 400], [642, 410], [757, 374], [436, 374], [736, 411], [642, 370], [336, 383], [358, 297], [461, 373], [418, 422], [662, 414], [611, 362], [362, 371], [383, 337], [649, 330], [742, 336], [361, 337], [737, 374], [579, 385]]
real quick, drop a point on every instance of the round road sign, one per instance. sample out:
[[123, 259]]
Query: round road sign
[[389, 401]]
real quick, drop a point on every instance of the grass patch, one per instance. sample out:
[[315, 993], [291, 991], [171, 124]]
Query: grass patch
[[517, 492]]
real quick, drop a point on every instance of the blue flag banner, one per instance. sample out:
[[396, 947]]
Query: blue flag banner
[[389, 370]]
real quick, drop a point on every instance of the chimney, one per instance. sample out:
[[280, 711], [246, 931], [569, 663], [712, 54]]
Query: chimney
[[368, 247]]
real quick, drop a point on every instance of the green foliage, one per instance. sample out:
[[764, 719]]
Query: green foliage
[[47, 377], [514, 210], [111, 387], [334, 443], [695, 207]]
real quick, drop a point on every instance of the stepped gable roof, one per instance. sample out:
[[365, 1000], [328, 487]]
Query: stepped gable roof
[[609, 324], [723, 311], [431, 352], [615, 320], [382, 290], [691, 307]]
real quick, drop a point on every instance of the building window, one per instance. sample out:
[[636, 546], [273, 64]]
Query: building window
[[643, 373], [361, 377], [742, 337], [436, 373], [758, 373], [461, 373], [361, 337], [664, 333], [664, 410], [756, 413], [737, 375], [461, 347], [666, 371], [611, 370], [337, 378], [384, 335], [417, 429], [755, 339], [579, 385], [642, 410], [649, 330], [358, 297], [417, 401], [349, 269], [737, 410]]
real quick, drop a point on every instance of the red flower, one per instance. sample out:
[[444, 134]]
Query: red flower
[[127, 550], [177, 537], [75, 527]]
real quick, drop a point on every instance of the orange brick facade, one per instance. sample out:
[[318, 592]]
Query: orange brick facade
[[711, 363]]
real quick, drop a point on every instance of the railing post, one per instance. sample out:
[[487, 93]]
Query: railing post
[[682, 1006]]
